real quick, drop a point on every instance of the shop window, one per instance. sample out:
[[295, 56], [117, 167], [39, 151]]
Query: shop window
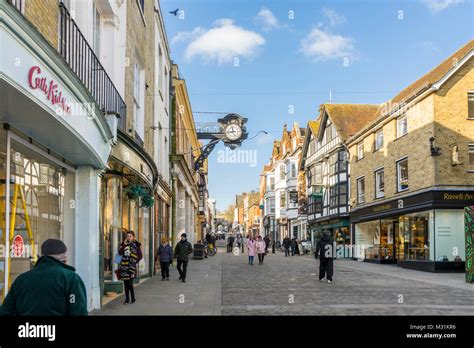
[[414, 240], [378, 140], [402, 126], [293, 170], [360, 151], [449, 236], [402, 175], [470, 105], [379, 184], [471, 157], [361, 190]]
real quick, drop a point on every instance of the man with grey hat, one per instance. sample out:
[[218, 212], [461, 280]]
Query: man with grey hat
[[51, 288]]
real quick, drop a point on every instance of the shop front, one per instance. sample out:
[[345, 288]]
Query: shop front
[[127, 204], [54, 141], [337, 229], [424, 231]]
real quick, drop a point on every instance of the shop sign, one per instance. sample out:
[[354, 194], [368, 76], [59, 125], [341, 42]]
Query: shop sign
[[49, 88], [18, 246]]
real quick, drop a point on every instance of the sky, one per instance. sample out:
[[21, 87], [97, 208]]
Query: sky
[[275, 62]]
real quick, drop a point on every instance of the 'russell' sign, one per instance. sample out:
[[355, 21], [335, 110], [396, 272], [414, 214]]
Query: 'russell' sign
[[50, 89]]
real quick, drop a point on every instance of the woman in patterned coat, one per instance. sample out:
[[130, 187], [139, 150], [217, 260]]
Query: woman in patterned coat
[[131, 253]]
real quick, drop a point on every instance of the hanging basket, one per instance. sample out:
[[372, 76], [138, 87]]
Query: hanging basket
[[147, 201], [134, 191]]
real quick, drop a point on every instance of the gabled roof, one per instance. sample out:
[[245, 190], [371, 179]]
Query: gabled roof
[[432, 76], [312, 128], [349, 118]]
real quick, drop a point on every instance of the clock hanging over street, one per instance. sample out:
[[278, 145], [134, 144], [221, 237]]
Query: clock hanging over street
[[233, 131]]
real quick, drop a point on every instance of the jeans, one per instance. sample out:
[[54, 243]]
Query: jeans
[[260, 257], [165, 269], [287, 252], [250, 260], [326, 267], [292, 251], [129, 291], [182, 266]]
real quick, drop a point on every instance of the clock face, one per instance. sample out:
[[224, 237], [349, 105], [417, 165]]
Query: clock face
[[233, 132]]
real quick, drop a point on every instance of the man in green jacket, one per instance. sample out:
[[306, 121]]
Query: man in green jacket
[[181, 251], [50, 288]]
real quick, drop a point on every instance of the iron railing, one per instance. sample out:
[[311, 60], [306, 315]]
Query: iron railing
[[81, 58]]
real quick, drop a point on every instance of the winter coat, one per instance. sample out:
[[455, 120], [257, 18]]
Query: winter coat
[[165, 253], [182, 250], [47, 289], [131, 256], [293, 243], [267, 241], [260, 245], [324, 248], [287, 243], [251, 247]]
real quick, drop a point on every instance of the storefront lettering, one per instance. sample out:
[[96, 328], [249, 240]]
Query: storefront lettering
[[459, 196], [382, 208], [36, 81]]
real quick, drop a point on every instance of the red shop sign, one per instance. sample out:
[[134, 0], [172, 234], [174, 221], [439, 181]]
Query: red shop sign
[[18, 245], [50, 88]]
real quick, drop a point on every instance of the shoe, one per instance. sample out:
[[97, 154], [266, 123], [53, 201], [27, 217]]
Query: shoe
[[184, 281], [329, 281], [126, 302], [180, 278], [167, 278], [133, 301], [321, 280], [162, 279]]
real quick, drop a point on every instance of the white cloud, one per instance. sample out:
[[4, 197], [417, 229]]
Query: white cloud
[[437, 6], [333, 16], [322, 45], [266, 17], [222, 43]]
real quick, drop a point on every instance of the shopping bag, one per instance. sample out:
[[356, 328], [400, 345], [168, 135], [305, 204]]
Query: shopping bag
[[117, 259]]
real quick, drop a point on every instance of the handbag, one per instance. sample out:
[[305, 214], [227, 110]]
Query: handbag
[[118, 259], [117, 273]]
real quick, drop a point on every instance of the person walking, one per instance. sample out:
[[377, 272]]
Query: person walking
[[239, 241], [51, 288], [181, 252], [251, 249], [266, 239], [325, 252], [131, 253], [165, 254], [293, 246], [260, 246], [286, 245], [230, 243]]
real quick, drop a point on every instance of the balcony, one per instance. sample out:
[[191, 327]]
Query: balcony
[[82, 60]]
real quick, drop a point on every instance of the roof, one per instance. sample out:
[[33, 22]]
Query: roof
[[432, 76], [313, 126], [351, 118]]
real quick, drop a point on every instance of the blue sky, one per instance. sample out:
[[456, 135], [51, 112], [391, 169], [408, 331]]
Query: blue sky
[[292, 53]]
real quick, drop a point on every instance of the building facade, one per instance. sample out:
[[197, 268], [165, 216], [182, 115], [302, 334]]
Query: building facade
[[326, 166], [412, 171]]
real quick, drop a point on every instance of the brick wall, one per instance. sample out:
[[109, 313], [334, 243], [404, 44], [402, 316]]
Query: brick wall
[[43, 14]]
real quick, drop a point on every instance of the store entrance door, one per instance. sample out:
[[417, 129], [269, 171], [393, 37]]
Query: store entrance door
[[398, 246]]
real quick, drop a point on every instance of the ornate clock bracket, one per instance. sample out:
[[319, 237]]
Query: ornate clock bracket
[[229, 129]]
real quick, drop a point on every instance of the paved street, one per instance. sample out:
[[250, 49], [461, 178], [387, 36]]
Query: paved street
[[225, 284]]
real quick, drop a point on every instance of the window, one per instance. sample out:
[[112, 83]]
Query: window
[[166, 89], [318, 177], [360, 151], [471, 157], [402, 174], [160, 69], [272, 183], [293, 170], [96, 31], [329, 133], [271, 202], [378, 140], [361, 190], [283, 199], [379, 184], [470, 105], [138, 95], [282, 172], [402, 126]]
